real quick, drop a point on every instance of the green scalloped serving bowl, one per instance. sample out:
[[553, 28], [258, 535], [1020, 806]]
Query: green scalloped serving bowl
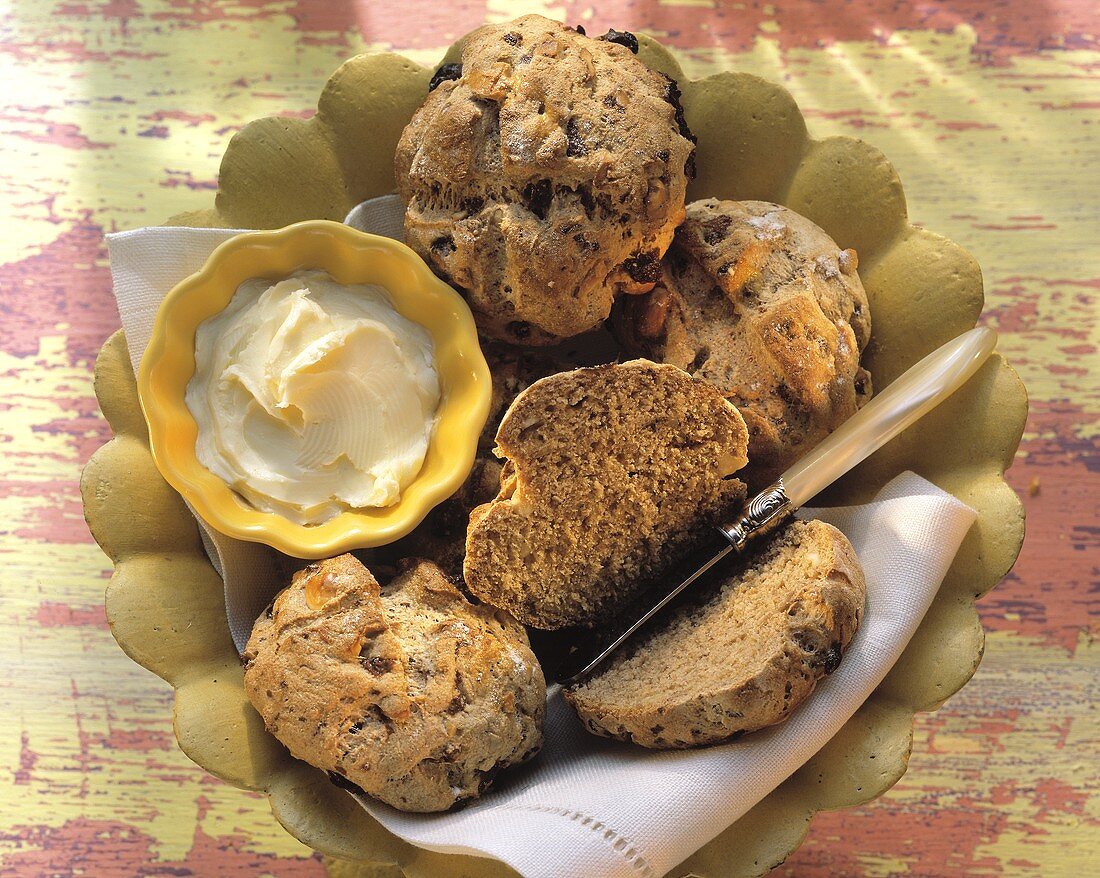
[[165, 603]]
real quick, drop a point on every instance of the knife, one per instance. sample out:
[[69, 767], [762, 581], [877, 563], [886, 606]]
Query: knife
[[919, 390]]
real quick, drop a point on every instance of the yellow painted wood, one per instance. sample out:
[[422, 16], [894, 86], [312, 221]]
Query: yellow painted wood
[[117, 120]]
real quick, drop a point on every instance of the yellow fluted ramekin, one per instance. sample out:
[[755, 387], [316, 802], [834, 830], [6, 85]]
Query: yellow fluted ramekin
[[350, 257]]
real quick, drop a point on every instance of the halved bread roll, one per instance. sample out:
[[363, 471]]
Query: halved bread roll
[[740, 658], [612, 474]]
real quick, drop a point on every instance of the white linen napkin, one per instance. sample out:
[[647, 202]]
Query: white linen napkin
[[589, 807]]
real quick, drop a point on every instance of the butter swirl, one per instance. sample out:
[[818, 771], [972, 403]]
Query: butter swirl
[[313, 398]]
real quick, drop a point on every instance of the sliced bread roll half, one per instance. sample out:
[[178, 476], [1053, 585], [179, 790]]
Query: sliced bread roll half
[[612, 474], [740, 659]]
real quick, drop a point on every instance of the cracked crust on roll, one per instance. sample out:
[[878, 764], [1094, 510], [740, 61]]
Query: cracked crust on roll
[[741, 657], [760, 302], [544, 176], [407, 690]]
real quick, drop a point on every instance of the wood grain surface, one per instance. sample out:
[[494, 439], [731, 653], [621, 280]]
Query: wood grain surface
[[114, 114]]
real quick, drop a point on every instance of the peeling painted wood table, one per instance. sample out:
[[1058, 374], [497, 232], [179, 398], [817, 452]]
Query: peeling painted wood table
[[114, 115]]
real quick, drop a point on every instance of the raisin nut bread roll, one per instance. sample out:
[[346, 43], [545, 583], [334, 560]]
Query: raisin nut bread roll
[[612, 474], [762, 303], [544, 175]]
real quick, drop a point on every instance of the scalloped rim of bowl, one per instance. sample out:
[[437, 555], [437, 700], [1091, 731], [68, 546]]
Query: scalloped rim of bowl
[[187, 644], [350, 257]]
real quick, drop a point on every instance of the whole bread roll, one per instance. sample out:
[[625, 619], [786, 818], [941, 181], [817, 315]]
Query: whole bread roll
[[544, 175], [760, 302], [612, 473], [740, 659], [406, 690]]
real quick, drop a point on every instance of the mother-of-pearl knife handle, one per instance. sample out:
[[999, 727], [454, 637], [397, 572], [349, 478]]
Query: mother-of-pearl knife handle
[[907, 399]]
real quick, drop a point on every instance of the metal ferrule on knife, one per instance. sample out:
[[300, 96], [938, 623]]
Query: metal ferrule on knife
[[763, 513]]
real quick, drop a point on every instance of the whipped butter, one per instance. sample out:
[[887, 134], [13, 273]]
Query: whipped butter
[[313, 398]]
